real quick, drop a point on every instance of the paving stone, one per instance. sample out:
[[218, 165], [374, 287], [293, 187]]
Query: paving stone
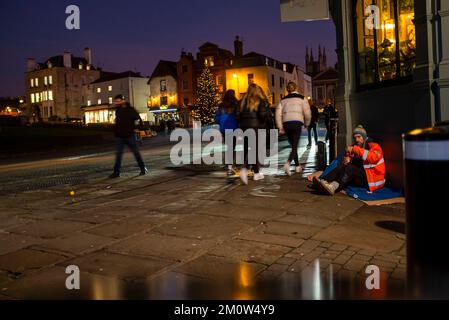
[[12, 242], [311, 256], [362, 257], [117, 265], [97, 217], [350, 235], [162, 246], [367, 252], [221, 269], [272, 239], [298, 266], [129, 226], [77, 243], [290, 229], [278, 267], [26, 259], [342, 259], [250, 251], [286, 260], [355, 265], [203, 227], [338, 247], [49, 229], [51, 284], [310, 244], [326, 245], [349, 252], [388, 257], [306, 220], [383, 263]]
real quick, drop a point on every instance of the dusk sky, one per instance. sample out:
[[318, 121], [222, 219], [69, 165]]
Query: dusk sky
[[136, 34]]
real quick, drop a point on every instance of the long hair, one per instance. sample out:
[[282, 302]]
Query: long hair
[[229, 102], [253, 97]]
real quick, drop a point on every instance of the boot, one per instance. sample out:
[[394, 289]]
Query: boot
[[329, 188]]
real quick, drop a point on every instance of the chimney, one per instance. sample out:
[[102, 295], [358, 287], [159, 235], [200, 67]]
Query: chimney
[[88, 55], [31, 64], [238, 47], [67, 60]]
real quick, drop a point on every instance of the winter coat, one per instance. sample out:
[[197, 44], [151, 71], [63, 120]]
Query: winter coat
[[293, 108], [125, 118]]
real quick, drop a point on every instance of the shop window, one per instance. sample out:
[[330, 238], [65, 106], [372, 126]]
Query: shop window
[[388, 52]]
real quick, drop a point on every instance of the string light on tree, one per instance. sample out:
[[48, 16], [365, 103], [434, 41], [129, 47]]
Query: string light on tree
[[207, 98]]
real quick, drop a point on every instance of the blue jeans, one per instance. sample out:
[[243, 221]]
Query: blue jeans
[[120, 145]]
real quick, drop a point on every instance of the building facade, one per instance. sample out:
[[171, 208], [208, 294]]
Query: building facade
[[99, 95], [54, 88], [163, 87], [272, 75], [393, 70]]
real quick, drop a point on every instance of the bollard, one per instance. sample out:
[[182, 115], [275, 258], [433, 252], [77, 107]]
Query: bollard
[[321, 157], [426, 173]]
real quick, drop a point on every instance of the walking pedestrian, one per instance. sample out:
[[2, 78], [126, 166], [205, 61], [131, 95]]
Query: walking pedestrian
[[328, 109], [252, 115], [292, 113], [313, 124], [226, 118], [125, 118]]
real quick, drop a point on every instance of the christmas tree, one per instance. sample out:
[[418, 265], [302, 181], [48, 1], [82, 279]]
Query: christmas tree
[[207, 98]]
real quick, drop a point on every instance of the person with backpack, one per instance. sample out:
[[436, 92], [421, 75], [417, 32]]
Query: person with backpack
[[252, 115], [292, 113], [226, 118]]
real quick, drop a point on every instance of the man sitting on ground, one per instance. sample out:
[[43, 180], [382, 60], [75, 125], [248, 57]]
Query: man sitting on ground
[[363, 166]]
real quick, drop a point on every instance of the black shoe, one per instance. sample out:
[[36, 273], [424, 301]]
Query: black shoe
[[114, 175], [143, 171], [309, 146]]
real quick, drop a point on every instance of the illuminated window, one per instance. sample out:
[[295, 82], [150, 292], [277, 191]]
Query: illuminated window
[[50, 80], [163, 85], [98, 90], [45, 81], [50, 95], [164, 101], [388, 52], [109, 88], [209, 62], [36, 82], [143, 116], [38, 98], [88, 67], [32, 83], [89, 103], [80, 66], [284, 67], [110, 100], [99, 101], [33, 100], [44, 96]]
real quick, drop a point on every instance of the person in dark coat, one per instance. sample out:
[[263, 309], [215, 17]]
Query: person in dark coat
[[252, 115], [313, 124], [226, 118], [125, 118]]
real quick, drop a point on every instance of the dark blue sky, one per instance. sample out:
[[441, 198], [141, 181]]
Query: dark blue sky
[[135, 34]]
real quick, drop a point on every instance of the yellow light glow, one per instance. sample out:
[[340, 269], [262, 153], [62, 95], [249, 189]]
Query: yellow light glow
[[235, 75]]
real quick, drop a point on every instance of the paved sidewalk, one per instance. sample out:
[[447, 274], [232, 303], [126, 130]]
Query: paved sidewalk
[[185, 233]]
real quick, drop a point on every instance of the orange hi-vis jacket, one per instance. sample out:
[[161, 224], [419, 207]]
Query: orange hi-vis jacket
[[374, 164]]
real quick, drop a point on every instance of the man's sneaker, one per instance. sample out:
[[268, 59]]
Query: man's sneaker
[[299, 169], [143, 171], [244, 175], [287, 168], [258, 176], [114, 175]]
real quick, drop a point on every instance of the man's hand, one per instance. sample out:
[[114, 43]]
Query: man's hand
[[349, 149], [281, 131]]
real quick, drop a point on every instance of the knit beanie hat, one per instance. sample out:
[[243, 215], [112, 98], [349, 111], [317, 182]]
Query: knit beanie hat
[[361, 131]]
